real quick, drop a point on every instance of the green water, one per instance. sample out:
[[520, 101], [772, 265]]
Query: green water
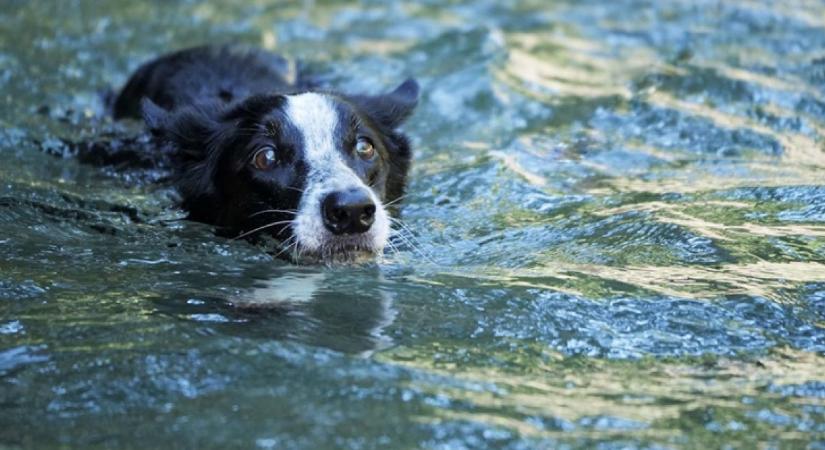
[[616, 237]]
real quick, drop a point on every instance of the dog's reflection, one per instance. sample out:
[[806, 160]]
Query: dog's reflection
[[347, 310], [288, 290]]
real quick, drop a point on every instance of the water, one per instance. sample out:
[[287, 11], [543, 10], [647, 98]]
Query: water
[[618, 237]]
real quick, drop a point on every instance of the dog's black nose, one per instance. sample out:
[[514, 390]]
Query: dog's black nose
[[348, 212]]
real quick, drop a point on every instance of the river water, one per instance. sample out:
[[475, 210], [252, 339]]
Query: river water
[[615, 236]]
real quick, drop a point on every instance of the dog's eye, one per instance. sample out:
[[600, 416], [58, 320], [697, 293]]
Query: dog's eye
[[265, 158], [364, 149]]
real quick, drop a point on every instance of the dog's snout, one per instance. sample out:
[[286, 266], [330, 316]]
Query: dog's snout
[[348, 212]]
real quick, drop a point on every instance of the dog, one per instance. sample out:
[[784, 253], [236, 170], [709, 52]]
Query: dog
[[259, 157]]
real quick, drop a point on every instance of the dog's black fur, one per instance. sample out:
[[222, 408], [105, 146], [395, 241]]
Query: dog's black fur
[[201, 75], [212, 109]]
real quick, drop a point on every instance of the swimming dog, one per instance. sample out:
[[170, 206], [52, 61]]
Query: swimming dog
[[256, 155]]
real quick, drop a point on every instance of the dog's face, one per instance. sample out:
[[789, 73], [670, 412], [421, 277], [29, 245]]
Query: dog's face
[[314, 170]]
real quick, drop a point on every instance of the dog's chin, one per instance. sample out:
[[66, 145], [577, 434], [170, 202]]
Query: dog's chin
[[337, 258], [337, 251]]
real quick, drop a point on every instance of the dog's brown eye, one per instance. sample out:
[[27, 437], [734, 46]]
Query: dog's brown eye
[[364, 149], [265, 158]]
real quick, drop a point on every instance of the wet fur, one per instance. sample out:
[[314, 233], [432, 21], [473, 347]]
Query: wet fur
[[208, 108]]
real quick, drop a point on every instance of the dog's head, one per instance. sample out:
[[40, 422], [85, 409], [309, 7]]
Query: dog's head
[[315, 170]]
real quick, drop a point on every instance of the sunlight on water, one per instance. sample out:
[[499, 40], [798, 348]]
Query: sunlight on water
[[616, 236]]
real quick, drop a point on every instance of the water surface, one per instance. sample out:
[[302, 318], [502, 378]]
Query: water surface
[[616, 236]]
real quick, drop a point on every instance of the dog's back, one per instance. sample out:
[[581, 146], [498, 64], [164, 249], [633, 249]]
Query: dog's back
[[203, 75]]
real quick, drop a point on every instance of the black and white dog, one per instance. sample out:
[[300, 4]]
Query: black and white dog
[[256, 155]]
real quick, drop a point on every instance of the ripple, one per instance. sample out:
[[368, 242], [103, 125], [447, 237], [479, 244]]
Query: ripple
[[615, 222]]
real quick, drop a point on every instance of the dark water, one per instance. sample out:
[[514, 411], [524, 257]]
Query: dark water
[[617, 240]]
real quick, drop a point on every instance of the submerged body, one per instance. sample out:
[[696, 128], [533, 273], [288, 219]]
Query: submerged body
[[259, 156]]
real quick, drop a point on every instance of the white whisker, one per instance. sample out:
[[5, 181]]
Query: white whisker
[[287, 244], [273, 211], [396, 200], [261, 228]]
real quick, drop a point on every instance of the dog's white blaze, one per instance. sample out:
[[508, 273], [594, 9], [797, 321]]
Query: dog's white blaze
[[315, 117]]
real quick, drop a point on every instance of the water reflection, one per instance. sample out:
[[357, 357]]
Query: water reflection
[[347, 310], [622, 202]]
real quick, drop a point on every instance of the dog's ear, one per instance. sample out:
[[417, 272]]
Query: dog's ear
[[190, 128], [393, 108], [193, 132], [154, 116]]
